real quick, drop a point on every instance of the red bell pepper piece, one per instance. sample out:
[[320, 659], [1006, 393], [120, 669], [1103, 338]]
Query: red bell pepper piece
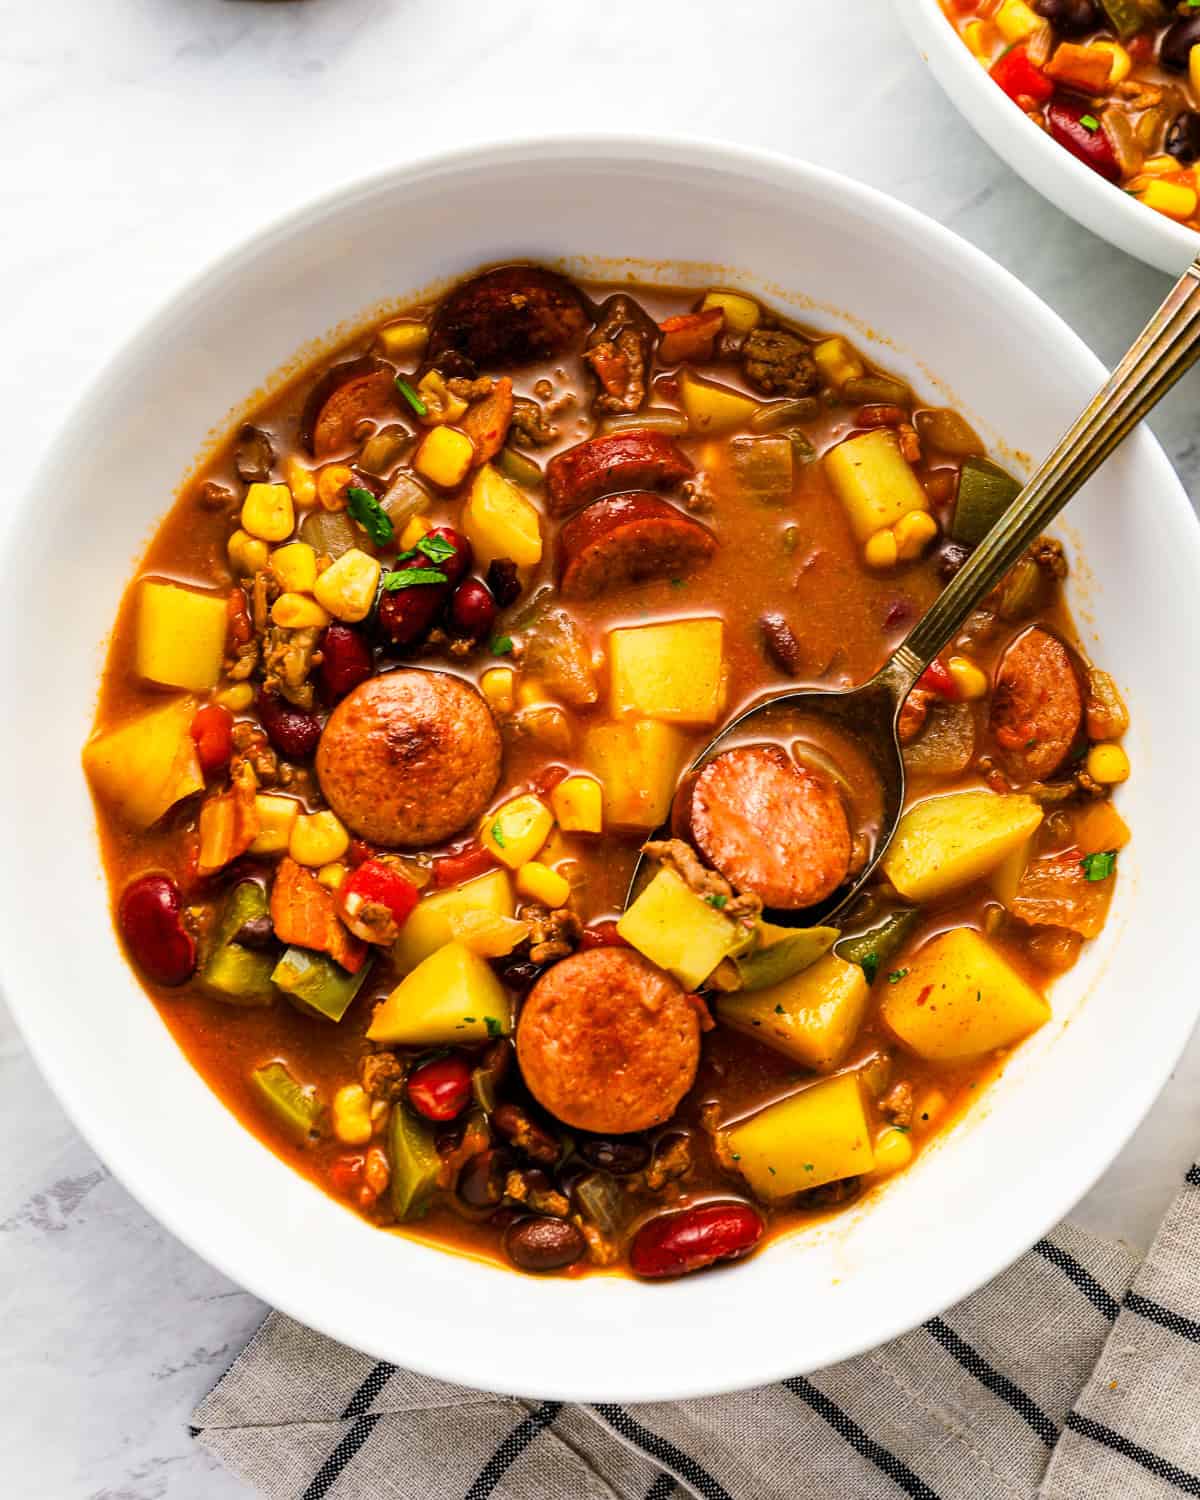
[[375, 901], [1017, 76], [453, 869], [936, 678], [1085, 141]]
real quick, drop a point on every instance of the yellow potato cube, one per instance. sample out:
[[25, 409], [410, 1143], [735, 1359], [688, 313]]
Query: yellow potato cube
[[742, 314], [318, 839], [578, 805], [296, 567], [147, 764], [874, 482], [817, 1136], [298, 612], [444, 457], [404, 338], [959, 998], [812, 1017], [499, 521], [268, 512], [837, 362], [347, 587], [539, 882], [517, 830], [671, 671], [638, 764], [180, 636], [276, 819], [450, 998], [679, 931], [713, 409], [947, 842], [431, 923]]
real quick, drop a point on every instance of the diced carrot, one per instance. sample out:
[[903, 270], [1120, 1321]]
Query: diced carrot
[[305, 913], [1085, 68], [229, 823], [690, 336], [240, 629]]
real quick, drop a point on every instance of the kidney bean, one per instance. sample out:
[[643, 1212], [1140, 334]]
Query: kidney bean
[[294, 732], [950, 557], [675, 1243], [212, 730], [618, 1156], [461, 864], [345, 661], [602, 935], [526, 1134], [406, 616], [521, 975], [457, 567], [472, 610], [503, 581], [781, 644], [257, 933], [1177, 43], [346, 1173], [151, 921], [1088, 145], [439, 1089], [481, 1181], [543, 1244]]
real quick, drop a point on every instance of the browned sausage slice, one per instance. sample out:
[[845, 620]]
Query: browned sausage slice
[[772, 828], [608, 1042], [342, 397], [487, 422], [629, 539], [610, 463], [1037, 706], [512, 315], [409, 758]]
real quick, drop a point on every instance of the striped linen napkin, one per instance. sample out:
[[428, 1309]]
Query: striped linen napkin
[[1075, 1375]]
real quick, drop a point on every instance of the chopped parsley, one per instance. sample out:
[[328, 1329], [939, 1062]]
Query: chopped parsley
[[808, 1166], [870, 966], [410, 578], [498, 835], [779, 1011], [717, 902], [1089, 122], [438, 549], [1099, 866], [469, 1020], [771, 1170], [896, 976], [502, 645], [494, 1029], [411, 397], [370, 515], [676, 583]]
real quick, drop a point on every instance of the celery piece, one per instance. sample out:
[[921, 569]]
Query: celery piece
[[297, 1107], [781, 952], [415, 1163], [870, 950], [314, 983], [762, 468], [985, 491]]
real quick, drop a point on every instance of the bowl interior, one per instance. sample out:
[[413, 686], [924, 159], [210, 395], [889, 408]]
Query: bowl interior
[[688, 213]]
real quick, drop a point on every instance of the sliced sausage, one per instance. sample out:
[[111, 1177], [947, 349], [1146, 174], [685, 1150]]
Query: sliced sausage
[[512, 315], [409, 758], [1037, 706], [487, 422], [608, 1042], [610, 463], [629, 539], [342, 397], [772, 828]]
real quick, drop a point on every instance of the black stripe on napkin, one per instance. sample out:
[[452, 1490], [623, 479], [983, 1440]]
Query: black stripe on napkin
[[511, 1449], [987, 1375], [364, 1398], [662, 1488], [1193, 1174], [1188, 1483], [356, 1411], [897, 1471], [1163, 1316], [1074, 1271], [662, 1451]]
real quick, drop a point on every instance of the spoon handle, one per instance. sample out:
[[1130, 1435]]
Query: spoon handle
[[1166, 347]]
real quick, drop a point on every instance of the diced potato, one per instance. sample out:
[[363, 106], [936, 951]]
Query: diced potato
[[670, 671], [873, 480], [812, 1017], [1016, 20], [444, 457], [638, 764], [430, 924], [947, 842], [679, 931], [837, 362], [578, 804], [347, 587], [817, 1136], [741, 313], [148, 763], [713, 409], [487, 934], [451, 997], [499, 521], [180, 636], [959, 998], [517, 830]]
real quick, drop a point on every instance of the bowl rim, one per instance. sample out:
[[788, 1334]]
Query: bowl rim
[[1082, 1160], [1052, 171]]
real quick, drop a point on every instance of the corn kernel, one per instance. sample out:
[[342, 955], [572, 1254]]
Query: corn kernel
[[302, 482], [332, 483], [741, 313], [413, 531], [351, 1112], [975, 38], [1170, 198], [578, 802], [298, 612], [1194, 67], [893, 1150], [837, 362], [403, 338], [247, 555], [1121, 61], [296, 567], [318, 839], [440, 405], [540, 883], [913, 534], [1016, 21], [969, 679], [530, 691], [517, 830], [331, 876], [237, 697], [444, 457], [496, 685], [347, 587], [1108, 764], [268, 512], [929, 1108], [1159, 166], [276, 817], [881, 550]]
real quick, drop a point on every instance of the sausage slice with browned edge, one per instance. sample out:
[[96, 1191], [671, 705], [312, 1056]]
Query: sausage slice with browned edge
[[629, 539], [610, 463], [409, 758], [608, 1042], [1037, 706], [512, 315], [342, 398], [772, 828]]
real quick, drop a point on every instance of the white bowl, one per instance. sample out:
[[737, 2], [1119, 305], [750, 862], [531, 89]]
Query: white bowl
[[1070, 1098], [1041, 161]]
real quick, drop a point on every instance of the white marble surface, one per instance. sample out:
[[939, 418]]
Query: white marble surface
[[140, 137]]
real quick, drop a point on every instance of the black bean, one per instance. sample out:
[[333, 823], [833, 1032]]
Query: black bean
[[257, 933], [543, 1244], [1070, 17], [515, 1122], [618, 1156], [481, 1181], [950, 557], [1177, 43], [521, 976], [503, 582]]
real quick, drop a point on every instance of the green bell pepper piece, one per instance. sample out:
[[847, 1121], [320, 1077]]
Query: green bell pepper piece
[[872, 949], [314, 983], [985, 491], [415, 1163], [297, 1107], [780, 952], [235, 974], [1128, 16]]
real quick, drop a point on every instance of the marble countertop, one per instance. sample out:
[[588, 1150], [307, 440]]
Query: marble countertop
[[142, 138]]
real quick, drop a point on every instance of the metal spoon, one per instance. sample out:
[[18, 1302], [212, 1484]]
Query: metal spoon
[[1162, 352]]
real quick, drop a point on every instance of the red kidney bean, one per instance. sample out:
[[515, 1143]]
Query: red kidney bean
[[1088, 145], [472, 609], [457, 567], [345, 661], [672, 1244], [346, 1173], [440, 1089], [782, 645], [461, 864], [543, 1244], [503, 581], [212, 729], [151, 921], [520, 975], [406, 616], [602, 935], [294, 732]]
